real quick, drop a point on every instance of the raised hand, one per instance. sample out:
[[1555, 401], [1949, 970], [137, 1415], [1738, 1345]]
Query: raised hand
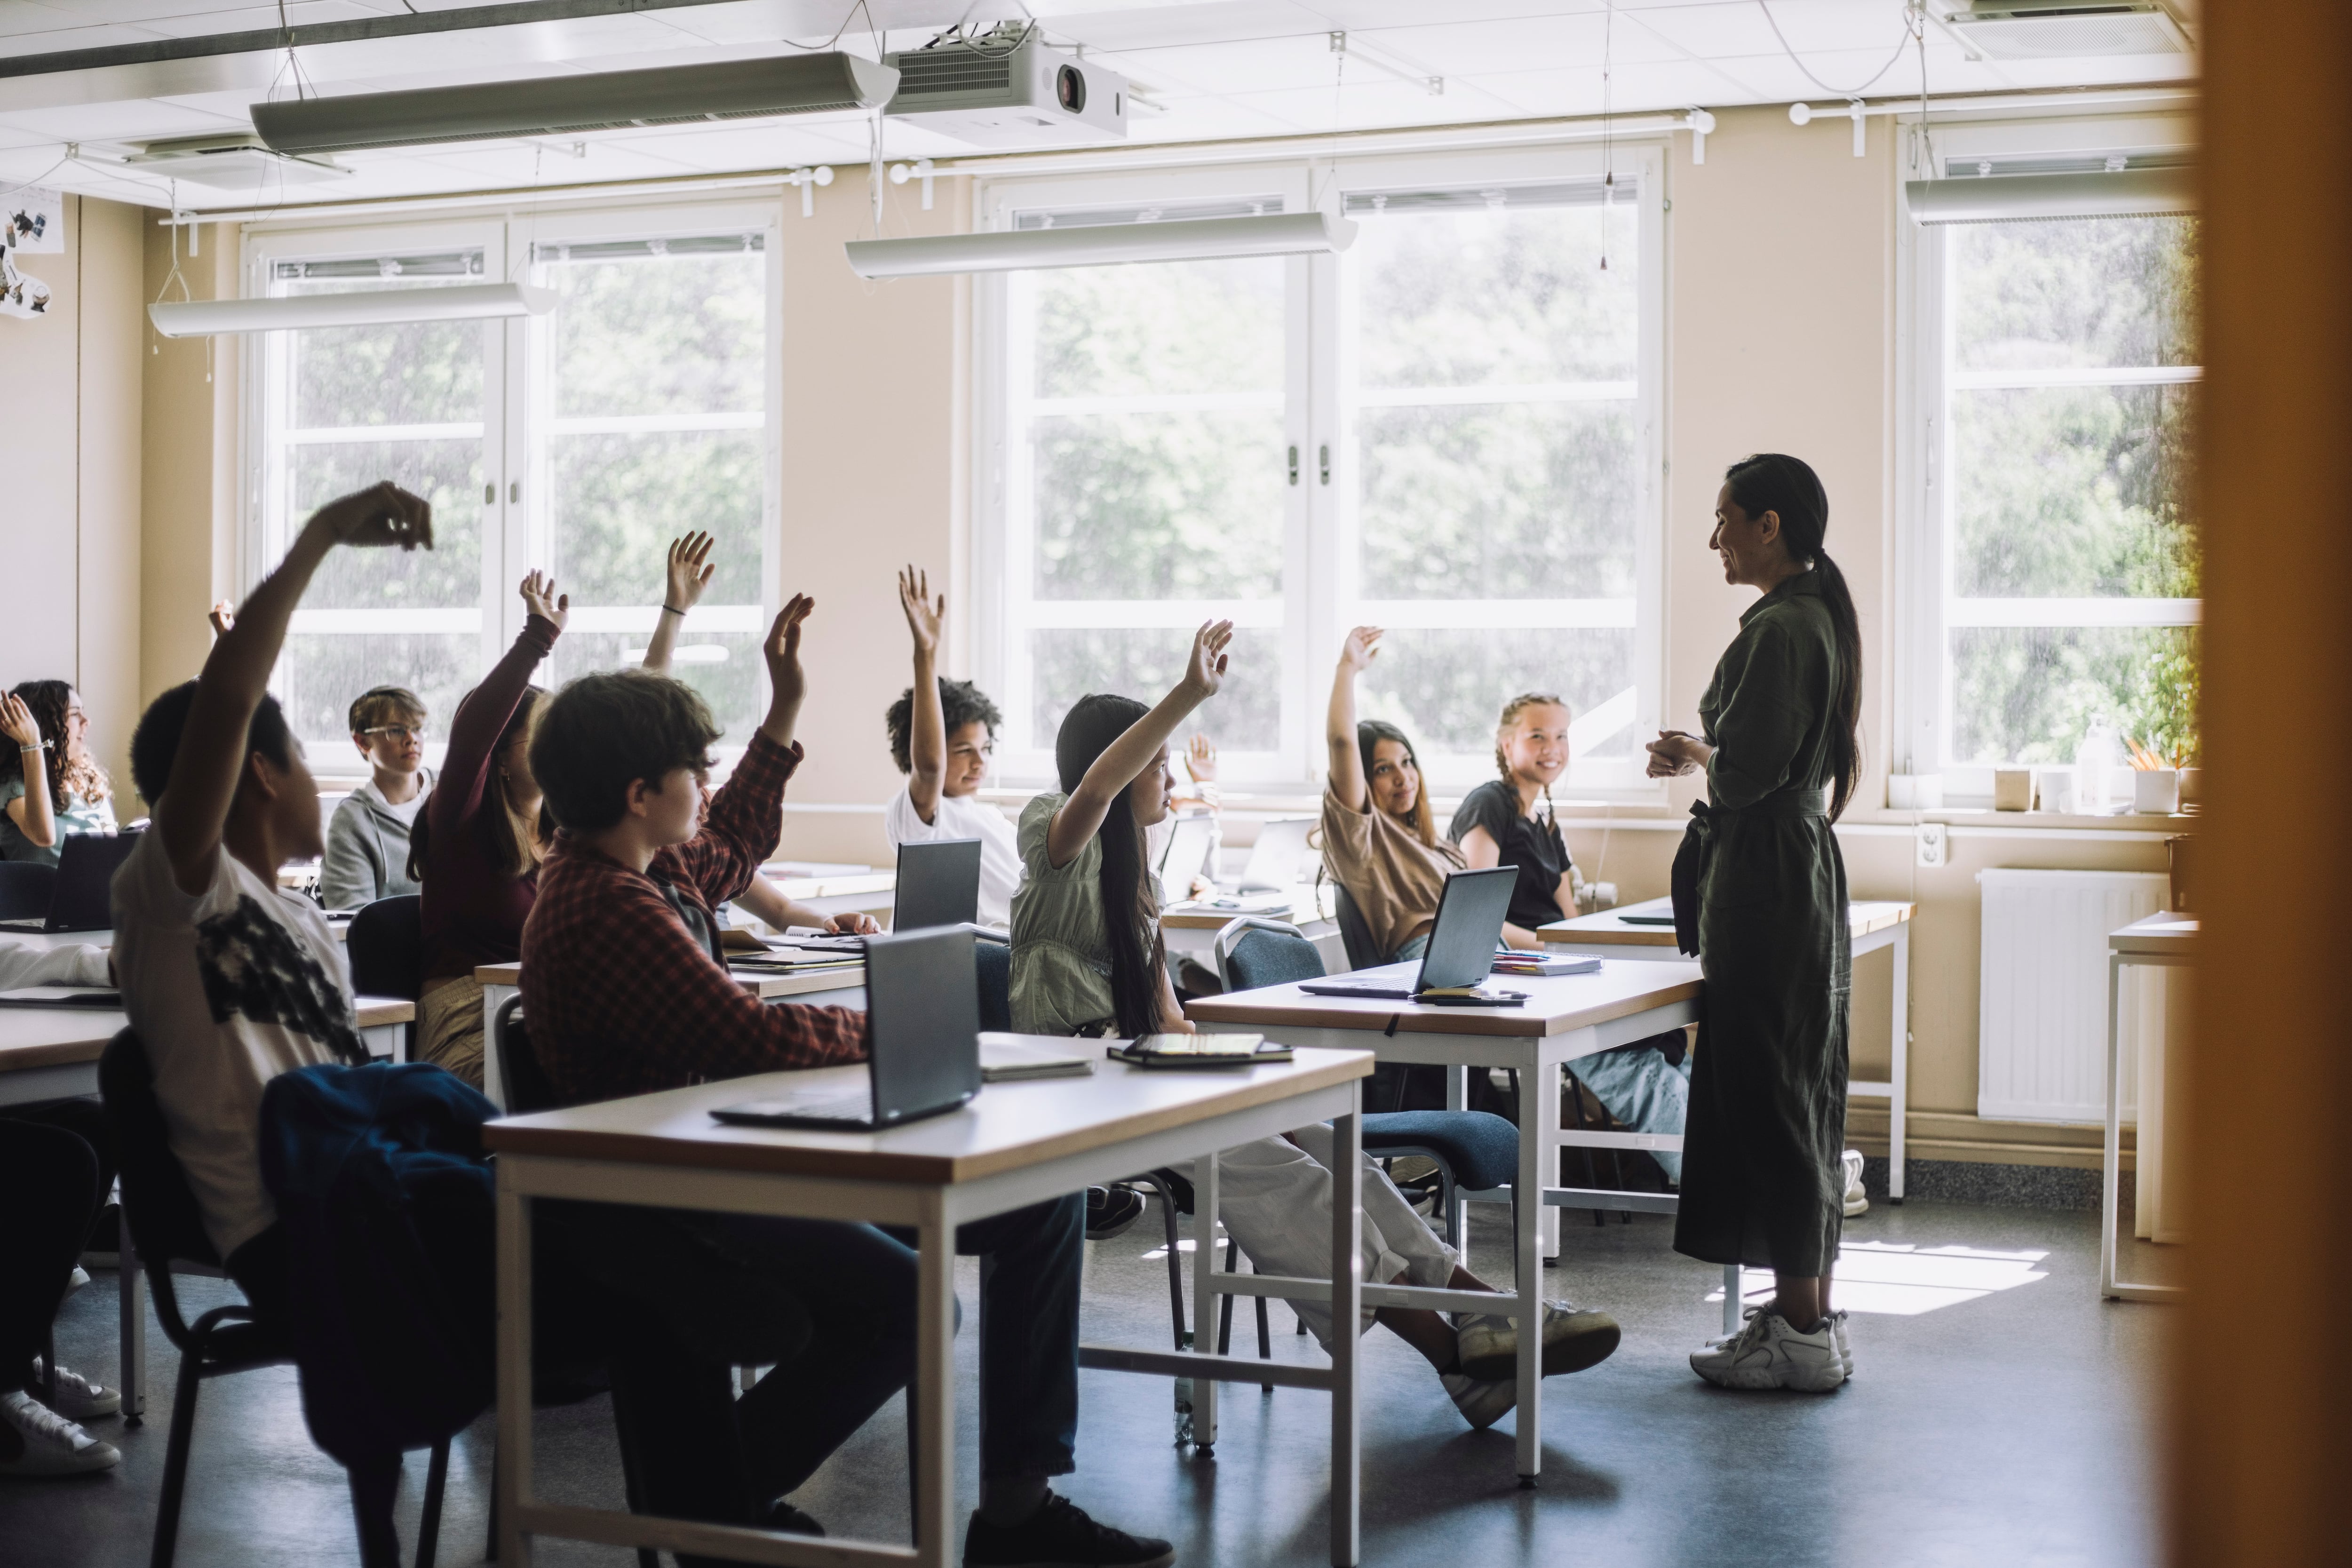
[[788, 682], [1362, 646], [1204, 672], [540, 597], [17, 721], [383, 514], [690, 572], [1201, 759], [924, 615], [223, 617]]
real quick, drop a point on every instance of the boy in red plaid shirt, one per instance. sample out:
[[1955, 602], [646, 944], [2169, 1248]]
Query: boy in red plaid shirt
[[625, 993]]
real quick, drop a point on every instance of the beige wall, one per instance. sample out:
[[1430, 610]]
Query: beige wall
[[72, 447]]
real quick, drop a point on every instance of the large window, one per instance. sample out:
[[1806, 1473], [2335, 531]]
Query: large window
[[581, 442], [2061, 401], [1447, 430]]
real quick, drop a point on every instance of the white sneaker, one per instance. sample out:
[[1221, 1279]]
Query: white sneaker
[[1845, 1350], [1481, 1404], [77, 1280], [77, 1398], [1857, 1200], [45, 1443], [1768, 1354], [1574, 1338]]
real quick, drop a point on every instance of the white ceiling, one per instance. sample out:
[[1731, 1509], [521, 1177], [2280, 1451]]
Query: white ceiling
[[1218, 68]]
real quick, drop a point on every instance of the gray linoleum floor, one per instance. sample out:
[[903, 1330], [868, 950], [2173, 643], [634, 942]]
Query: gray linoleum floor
[[2000, 1415]]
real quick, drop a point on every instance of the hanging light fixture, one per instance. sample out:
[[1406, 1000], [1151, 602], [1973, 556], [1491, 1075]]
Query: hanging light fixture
[[464, 302], [1103, 245]]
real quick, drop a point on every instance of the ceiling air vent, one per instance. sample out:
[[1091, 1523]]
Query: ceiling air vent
[[2058, 30]]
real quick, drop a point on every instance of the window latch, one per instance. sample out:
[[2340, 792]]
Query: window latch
[[514, 490], [1294, 464], [1324, 460], [489, 495]]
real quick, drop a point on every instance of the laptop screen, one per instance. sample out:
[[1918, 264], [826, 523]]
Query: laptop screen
[[1470, 914], [83, 895], [938, 884], [922, 1004], [1188, 839]]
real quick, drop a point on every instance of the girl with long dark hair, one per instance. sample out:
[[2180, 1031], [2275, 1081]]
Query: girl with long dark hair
[[1760, 896], [50, 783]]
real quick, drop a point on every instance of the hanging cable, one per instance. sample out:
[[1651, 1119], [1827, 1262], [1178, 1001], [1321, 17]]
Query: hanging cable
[[1608, 149], [1834, 91]]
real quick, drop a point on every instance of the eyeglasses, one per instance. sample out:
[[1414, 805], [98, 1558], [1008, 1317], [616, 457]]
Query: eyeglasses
[[397, 732]]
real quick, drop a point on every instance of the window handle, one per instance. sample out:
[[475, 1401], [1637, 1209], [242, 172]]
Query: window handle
[[514, 490], [489, 495], [1324, 458], [1294, 464]]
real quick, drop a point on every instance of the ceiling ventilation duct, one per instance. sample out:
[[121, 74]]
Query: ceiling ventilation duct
[[237, 162], [2063, 29], [567, 105]]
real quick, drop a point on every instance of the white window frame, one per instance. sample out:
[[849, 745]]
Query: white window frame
[[1927, 610], [1320, 594]]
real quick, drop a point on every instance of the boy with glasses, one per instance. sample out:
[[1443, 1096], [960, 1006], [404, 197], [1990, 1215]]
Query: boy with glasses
[[367, 841]]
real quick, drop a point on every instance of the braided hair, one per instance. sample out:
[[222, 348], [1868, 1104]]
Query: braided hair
[[1775, 482], [1511, 711]]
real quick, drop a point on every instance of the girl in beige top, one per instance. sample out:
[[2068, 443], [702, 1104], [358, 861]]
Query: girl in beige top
[[1377, 835]]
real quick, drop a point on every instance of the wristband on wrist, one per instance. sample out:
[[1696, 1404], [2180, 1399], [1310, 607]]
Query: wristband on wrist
[[674, 610]]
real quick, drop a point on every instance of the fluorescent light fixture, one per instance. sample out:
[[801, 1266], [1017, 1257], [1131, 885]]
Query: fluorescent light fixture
[[1103, 245], [464, 302], [2015, 198], [565, 105]]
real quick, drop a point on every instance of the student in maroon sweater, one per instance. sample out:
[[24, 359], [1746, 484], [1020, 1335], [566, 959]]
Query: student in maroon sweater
[[626, 995], [476, 844]]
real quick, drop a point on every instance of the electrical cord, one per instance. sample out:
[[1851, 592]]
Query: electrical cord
[[1837, 91]]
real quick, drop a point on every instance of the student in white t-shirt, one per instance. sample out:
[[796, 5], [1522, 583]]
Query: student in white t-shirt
[[228, 979], [942, 733]]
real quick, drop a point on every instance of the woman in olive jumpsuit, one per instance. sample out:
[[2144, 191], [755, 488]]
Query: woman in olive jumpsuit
[[1760, 896]]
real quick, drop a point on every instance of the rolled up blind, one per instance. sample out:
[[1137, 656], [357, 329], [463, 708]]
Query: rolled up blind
[[2028, 198]]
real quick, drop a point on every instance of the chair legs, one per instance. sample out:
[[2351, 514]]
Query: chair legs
[[1175, 1264], [1225, 1315], [428, 1529], [374, 1484], [175, 1463]]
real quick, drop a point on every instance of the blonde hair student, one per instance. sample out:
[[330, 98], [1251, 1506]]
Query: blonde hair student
[[368, 838], [1497, 823]]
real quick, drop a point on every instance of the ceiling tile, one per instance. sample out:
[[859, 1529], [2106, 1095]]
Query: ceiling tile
[[1473, 48]]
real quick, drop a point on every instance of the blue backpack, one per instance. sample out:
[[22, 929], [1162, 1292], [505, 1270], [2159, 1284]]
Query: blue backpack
[[385, 1196]]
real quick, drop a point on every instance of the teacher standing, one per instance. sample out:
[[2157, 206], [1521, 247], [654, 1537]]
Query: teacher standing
[[1760, 896]]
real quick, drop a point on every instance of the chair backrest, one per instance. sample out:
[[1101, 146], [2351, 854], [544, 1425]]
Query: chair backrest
[[526, 1083], [1355, 932], [1252, 952], [166, 1223], [25, 889], [995, 961], [386, 947]]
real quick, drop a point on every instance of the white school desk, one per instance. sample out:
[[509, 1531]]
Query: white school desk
[[2167, 939], [51, 1053], [45, 942], [842, 988], [1564, 1018], [1015, 1144], [864, 892], [1873, 924]]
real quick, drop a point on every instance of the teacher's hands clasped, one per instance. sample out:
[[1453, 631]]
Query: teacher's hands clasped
[[1676, 752]]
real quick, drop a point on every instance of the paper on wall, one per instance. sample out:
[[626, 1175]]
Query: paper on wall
[[33, 223]]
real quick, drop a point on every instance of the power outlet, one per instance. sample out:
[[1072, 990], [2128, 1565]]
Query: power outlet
[[1933, 842]]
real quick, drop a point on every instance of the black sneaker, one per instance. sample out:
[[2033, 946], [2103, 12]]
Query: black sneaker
[[1110, 1211], [784, 1518], [1060, 1535]]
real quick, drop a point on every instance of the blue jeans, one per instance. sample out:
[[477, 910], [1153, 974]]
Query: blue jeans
[[1644, 1091], [1414, 948]]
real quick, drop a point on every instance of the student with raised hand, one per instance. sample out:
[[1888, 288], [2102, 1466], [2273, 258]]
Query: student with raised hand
[[228, 979], [1087, 958], [367, 838], [67, 792], [1377, 835], [626, 993], [689, 574], [475, 846], [942, 735]]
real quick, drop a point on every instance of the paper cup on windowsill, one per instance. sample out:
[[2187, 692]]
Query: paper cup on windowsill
[[2192, 788], [2054, 790], [2155, 792]]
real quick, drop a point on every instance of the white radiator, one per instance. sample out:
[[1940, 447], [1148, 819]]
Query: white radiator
[[2041, 992]]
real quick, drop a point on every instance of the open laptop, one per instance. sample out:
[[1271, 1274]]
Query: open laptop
[[82, 899], [1281, 859], [922, 1009], [1461, 951], [938, 884], [1190, 839]]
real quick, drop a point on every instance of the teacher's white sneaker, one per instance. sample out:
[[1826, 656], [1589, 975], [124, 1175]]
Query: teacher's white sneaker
[[1768, 1354]]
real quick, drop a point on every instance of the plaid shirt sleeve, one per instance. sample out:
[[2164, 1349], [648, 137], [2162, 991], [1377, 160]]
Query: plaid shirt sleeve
[[623, 1000], [743, 824]]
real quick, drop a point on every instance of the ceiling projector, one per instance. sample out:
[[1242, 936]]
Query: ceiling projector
[[1007, 90]]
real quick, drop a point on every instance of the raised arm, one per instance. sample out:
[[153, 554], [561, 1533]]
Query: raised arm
[[212, 753], [31, 812], [1355, 655], [482, 717], [1081, 816], [746, 817], [689, 574], [927, 732]]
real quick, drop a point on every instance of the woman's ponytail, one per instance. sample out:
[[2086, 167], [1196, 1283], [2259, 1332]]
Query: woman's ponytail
[[1776, 482]]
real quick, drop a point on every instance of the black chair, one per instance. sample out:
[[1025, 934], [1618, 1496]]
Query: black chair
[[995, 961], [168, 1230], [25, 887], [1355, 930], [386, 948]]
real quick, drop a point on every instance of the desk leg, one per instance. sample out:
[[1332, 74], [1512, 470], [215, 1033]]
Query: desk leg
[[934, 1400], [494, 999], [513, 1480], [1898, 1103], [2109, 1175], [1555, 1085], [131, 1289], [1526, 1213], [1457, 1098], [1734, 1294], [1204, 1297], [1347, 1340]]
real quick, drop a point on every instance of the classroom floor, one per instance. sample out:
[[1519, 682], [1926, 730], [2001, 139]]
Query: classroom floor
[[1999, 1415]]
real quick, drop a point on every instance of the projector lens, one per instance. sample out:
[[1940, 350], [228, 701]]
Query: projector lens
[[1071, 88]]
